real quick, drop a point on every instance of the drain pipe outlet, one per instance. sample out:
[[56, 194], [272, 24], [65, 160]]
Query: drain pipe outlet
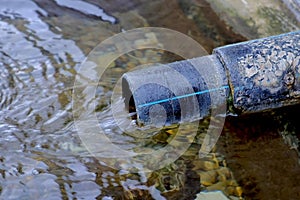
[[255, 75]]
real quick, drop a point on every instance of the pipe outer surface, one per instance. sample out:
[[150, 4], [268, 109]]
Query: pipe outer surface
[[261, 74], [264, 73], [176, 92]]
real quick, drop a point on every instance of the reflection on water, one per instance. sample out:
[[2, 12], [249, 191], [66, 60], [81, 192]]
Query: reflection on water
[[38, 62], [37, 159], [42, 44], [86, 8]]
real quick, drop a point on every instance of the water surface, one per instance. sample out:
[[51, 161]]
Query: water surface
[[42, 44]]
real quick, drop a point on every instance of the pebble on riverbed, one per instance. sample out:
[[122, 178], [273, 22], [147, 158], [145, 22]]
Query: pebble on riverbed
[[216, 176]]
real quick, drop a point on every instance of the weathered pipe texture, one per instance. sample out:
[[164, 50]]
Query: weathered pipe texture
[[256, 75]]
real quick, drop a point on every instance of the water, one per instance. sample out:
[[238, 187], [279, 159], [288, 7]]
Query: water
[[42, 44], [39, 153], [42, 156]]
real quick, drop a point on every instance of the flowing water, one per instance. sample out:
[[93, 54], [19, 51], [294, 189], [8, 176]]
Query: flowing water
[[42, 44]]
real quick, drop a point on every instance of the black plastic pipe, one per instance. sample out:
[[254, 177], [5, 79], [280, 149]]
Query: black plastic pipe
[[255, 75]]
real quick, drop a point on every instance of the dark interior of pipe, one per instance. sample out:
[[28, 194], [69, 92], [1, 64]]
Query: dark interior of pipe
[[128, 99]]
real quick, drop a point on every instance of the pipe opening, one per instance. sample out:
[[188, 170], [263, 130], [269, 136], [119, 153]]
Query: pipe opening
[[128, 99]]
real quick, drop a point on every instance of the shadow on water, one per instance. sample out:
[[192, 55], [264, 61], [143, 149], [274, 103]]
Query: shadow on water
[[42, 44], [260, 158]]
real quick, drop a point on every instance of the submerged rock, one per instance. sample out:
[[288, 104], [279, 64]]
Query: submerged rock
[[216, 195]]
